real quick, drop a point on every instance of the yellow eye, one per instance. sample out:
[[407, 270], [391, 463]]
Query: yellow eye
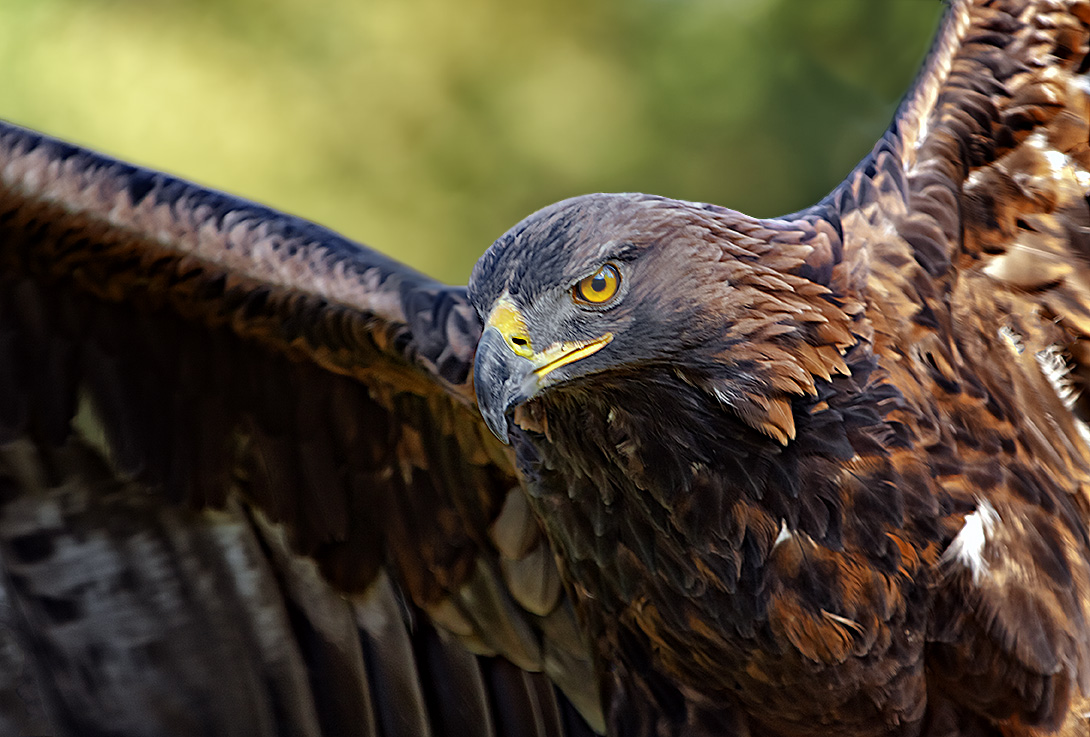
[[599, 287]]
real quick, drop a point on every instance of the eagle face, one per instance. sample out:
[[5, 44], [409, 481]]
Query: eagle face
[[631, 283], [592, 284]]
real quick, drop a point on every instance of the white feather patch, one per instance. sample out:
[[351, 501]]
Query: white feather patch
[[967, 549], [1013, 339], [1058, 373], [784, 536]]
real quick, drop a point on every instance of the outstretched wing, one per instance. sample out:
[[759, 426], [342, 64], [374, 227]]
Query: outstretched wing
[[965, 236], [209, 412]]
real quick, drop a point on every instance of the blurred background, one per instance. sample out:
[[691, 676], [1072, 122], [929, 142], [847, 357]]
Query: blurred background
[[426, 128]]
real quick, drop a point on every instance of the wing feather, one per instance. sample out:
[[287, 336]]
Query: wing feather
[[965, 235], [213, 352]]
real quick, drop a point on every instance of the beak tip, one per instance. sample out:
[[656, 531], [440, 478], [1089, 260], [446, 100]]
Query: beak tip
[[498, 426], [495, 370], [501, 380]]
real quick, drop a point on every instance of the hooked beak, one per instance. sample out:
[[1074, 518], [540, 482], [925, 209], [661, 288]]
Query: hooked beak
[[507, 370]]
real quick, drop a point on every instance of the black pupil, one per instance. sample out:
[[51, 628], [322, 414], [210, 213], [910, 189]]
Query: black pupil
[[598, 283]]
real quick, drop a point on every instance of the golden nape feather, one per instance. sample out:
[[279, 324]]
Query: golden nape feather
[[660, 469]]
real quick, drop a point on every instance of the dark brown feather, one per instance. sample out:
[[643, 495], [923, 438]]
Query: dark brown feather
[[829, 474], [229, 357], [853, 435]]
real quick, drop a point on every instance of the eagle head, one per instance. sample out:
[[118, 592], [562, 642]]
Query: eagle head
[[636, 284]]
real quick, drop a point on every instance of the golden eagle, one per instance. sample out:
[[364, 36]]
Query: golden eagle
[[661, 469]]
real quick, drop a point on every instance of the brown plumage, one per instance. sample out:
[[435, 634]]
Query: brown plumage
[[823, 474]]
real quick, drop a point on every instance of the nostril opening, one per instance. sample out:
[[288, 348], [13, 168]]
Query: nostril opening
[[519, 340]]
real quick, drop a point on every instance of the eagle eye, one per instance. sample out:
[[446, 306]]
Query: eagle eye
[[599, 287]]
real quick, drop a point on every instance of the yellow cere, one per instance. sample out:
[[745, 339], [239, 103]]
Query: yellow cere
[[599, 287], [506, 318]]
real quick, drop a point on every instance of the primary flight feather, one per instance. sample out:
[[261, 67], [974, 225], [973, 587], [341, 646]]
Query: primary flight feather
[[661, 469]]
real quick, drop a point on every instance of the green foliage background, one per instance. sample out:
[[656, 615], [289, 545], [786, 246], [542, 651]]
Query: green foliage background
[[427, 127]]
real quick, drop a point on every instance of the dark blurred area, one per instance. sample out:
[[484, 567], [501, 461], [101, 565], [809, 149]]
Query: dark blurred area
[[428, 127]]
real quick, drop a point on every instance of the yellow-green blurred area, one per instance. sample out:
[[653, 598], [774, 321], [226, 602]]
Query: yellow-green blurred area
[[428, 127]]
